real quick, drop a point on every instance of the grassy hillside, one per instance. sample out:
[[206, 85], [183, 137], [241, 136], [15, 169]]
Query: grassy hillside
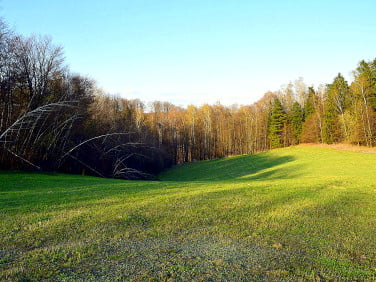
[[303, 212]]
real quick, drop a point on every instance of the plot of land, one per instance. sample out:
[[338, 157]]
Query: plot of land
[[304, 212]]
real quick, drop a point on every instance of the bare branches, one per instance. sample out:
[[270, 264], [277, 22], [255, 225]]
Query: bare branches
[[122, 170], [92, 139], [131, 173], [41, 104], [37, 60], [87, 166], [28, 130], [118, 153], [23, 159], [30, 119]]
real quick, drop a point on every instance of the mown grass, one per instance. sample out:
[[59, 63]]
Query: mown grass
[[295, 213]]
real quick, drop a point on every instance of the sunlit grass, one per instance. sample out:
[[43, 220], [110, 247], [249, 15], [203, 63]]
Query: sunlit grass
[[286, 214]]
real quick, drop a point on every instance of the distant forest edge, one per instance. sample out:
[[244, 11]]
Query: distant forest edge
[[51, 119]]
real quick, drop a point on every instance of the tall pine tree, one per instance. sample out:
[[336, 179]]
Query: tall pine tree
[[309, 106], [296, 120], [277, 121]]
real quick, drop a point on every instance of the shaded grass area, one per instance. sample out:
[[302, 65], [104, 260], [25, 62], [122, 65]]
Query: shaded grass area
[[296, 213], [231, 168]]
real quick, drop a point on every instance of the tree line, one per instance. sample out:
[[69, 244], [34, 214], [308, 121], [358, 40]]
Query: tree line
[[52, 119]]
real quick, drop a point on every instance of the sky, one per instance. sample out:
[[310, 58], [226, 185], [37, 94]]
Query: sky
[[202, 51]]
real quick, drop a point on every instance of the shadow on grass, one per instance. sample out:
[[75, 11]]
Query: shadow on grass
[[246, 167], [33, 192], [292, 171], [26, 192]]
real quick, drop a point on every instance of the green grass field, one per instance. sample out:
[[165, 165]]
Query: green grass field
[[295, 213]]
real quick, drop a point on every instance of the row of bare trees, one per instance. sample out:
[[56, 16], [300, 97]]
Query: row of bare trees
[[333, 113], [52, 119], [49, 117]]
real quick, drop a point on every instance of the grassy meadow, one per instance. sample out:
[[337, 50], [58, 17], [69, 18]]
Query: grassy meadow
[[294, 213]]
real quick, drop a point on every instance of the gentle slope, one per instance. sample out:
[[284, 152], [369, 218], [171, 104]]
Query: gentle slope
[[304, 212]]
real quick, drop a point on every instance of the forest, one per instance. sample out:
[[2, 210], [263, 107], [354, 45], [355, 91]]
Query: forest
[[54, 120]]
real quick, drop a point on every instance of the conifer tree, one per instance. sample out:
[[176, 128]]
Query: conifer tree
[[296, 120], [309, 106], [277, 121]]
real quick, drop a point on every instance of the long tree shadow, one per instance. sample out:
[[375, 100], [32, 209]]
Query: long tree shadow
[[292, 171], [233, 168]]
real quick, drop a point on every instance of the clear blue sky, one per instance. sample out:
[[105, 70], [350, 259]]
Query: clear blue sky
[[197, 51]]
